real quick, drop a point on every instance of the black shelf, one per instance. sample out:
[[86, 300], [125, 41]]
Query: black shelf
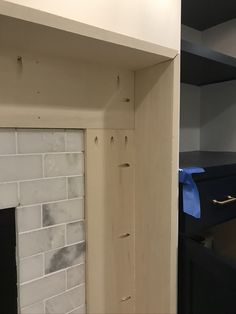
[[202, 66], [203, 14]]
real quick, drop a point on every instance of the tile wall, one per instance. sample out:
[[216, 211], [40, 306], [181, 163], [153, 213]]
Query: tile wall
[[42, 174]]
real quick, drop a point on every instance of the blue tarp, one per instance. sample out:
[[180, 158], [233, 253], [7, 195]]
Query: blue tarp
[[191, 200]]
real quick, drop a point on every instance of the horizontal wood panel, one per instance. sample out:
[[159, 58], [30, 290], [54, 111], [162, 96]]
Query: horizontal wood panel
[[48, 92]]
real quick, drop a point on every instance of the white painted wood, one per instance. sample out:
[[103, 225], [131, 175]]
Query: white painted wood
[[190, 118], [153, 21]]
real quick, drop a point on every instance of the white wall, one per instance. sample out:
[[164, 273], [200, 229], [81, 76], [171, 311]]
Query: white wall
[[190, 34], [218, 117], [155, 21], [190, 118], [222, 38]]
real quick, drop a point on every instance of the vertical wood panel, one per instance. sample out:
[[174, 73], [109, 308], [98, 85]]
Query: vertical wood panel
[[109, 215], [156, 156]]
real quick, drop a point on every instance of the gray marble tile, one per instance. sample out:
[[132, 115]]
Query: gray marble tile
[[79, 310], [67, 164], [40, 141], [28, 218], [42, 191], [64, 257], [74, 140], [67, 301], [64, 211], [75, 276], [37, 308], [75, 232], [75, 187], [7, 141], [35, 242], [31, 268], [41, 289]]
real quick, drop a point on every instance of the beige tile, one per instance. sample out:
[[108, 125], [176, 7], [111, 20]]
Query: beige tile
[[64, 257], [42, 191], [14, 168], [74, 140], [37, 308], [41, 141], [79, 310], [35, 242], [8, 195], [67, 301], [75, 232], [28, 218], [75, 276], [41, 289], [64, 164], [31, 268], [64, 211], [76, 187], [7, 141]]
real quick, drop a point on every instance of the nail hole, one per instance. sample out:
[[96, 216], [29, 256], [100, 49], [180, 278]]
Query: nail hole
[[118, 80], [112, 139], [126, 139], [96, 140]]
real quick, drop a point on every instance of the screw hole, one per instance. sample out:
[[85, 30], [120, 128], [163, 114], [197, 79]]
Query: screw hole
[[96, 140]]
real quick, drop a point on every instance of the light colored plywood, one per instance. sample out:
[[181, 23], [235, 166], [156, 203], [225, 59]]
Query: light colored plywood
[[156, 199], [107, 49], [110, 216], [134, 22], [48, 92]]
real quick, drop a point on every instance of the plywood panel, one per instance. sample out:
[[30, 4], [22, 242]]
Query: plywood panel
[[151, 21], [43, 92], [110, 221], [156, 169]]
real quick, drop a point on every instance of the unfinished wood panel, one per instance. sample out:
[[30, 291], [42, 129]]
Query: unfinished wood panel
[[110, 221], [47, 92], [108, 49], [156, 170]]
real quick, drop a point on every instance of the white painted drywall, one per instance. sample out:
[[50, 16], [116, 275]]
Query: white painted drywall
[[191, 34], [222, 38], [190, 118], [218, 117], [155, 21]]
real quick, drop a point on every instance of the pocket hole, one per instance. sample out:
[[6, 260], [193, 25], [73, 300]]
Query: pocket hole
[[126, 298], [125, 165], [124, 235]]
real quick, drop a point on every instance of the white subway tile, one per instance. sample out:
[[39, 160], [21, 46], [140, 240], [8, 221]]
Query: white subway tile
[[31, 268], [41, 141], [7, 141], [74, 140], [14, 168], [76, 187], [35, 242], [64, 211], [67, 301], [75, 276], [8, 195], [28, 218], [42, 191], [75, 232], [64, 164], [41, 289], [37, 308]]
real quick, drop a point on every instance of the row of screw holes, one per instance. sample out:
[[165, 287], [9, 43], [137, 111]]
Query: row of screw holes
[[111, 140]]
